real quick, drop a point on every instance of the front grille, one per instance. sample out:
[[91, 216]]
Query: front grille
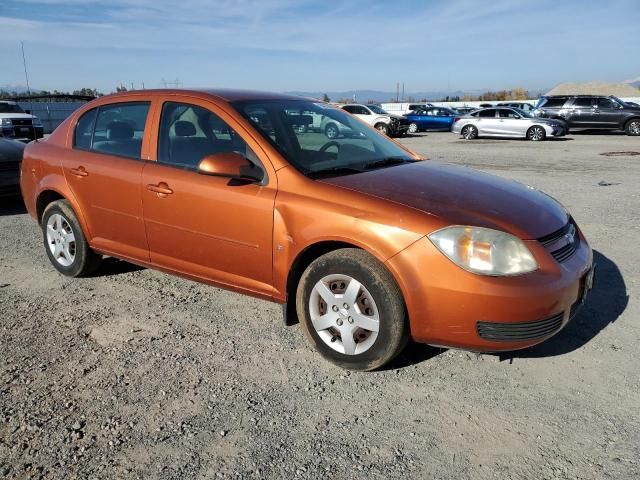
[[512, 332], [21, 122], [562, 243]]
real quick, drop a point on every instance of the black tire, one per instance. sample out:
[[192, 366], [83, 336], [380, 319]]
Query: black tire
[[633, 127], [536, 133], [393, 330], [331, 131], [85, 260], [469, 132], [382, 128]]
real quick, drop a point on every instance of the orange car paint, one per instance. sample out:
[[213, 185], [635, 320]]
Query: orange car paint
[[247, 237]]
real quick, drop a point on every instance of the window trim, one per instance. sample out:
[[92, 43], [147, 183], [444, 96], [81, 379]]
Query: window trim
[[93, 131], [255, 160]]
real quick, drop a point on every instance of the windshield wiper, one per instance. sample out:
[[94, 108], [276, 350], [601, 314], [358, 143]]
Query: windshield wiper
[[387, 162], [334, 172]]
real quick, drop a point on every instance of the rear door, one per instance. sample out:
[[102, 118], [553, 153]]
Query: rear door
[[487, 122], [104, 171], [582, 113]]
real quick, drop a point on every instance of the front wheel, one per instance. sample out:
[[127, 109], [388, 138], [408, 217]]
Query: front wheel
[[469, 132], [65, 243], [633, 127], [351, 310], [382, 128], [536, 133], [413, 128]]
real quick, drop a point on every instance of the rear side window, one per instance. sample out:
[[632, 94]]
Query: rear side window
[[490, 113], [554, 102], [584, 102], [119, 129], [604, 102], [84, 130]]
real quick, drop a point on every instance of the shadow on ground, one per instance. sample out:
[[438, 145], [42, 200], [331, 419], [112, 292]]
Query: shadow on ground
[[12, 206]]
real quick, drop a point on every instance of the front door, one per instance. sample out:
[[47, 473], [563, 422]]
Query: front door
[[104, 171], [208, 227]]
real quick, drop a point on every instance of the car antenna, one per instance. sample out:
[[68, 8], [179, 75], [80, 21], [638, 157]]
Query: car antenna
[[26, 77]]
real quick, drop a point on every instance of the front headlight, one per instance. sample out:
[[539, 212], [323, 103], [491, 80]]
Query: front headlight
[[484, 251], [6, 122]]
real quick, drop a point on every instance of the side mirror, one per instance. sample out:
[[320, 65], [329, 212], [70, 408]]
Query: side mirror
[[230, 165], [28, 112]]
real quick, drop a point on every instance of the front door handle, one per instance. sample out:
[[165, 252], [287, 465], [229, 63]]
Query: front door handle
[[162, 189], [79, 172]]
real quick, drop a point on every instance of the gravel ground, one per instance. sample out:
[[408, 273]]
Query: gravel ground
[[137, 374]]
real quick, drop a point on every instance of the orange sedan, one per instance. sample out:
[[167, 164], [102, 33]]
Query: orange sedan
[[365, 243]]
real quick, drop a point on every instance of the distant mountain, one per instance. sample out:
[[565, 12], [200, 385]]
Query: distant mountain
[[634, 82], [17, 88], [364, 96]]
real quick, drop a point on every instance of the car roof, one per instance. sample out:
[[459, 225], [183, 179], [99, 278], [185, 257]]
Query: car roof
[[225, 94]]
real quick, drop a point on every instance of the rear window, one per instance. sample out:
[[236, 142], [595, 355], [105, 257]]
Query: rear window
[[554, 102]]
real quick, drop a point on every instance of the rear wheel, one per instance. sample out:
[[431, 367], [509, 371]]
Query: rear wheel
[[469, 132], [633, 127], [65, 243], [382, 128], [536, 133], [351, 310], [331, 131]]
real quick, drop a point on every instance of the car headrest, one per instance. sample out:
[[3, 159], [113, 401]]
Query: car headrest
[[185, 129], [119, 131]]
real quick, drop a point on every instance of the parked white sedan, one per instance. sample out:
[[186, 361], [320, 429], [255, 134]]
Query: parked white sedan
[[507, 122]]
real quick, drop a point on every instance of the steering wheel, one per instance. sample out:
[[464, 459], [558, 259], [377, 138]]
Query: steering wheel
[[328, 145]]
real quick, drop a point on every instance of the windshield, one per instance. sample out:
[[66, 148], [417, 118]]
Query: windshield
[[10, 108], [377, 109], [319, 139]]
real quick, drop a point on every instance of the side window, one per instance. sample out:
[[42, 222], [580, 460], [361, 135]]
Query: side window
[[583, 102], [604, 102], [84, 130], [349, 108], [358, 110], [555, 102], [119, 129], [189, 133], [489, 113]]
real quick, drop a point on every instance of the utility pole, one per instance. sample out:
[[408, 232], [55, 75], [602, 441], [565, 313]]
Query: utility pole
[[403, 91], [26, 75], [397, 91]]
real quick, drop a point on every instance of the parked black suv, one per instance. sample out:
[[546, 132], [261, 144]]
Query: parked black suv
[[591, 111]]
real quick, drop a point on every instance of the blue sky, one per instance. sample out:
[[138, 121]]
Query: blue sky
[[323, 45]]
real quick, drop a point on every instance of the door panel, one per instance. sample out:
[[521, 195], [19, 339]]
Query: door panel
[[210, 227], [107, 189]]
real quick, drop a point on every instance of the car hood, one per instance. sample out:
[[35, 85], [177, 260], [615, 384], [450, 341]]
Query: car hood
[[462, 196]]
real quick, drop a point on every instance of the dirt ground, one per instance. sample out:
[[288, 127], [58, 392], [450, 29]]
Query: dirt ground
[[136, 374]]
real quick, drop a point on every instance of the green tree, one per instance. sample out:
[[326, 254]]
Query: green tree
[[325, 98]]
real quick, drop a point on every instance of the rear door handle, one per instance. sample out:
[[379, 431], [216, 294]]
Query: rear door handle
[[79, 172], [162, 189]]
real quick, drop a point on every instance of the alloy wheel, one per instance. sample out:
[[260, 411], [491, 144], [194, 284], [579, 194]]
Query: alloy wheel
[[634, 127], [344, 314], [413, 128], [536, 134]]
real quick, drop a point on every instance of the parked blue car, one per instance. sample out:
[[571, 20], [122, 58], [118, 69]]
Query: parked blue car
[[431, 118]]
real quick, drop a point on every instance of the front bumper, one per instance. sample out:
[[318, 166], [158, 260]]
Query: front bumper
[[18, 131], [451, 307]]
